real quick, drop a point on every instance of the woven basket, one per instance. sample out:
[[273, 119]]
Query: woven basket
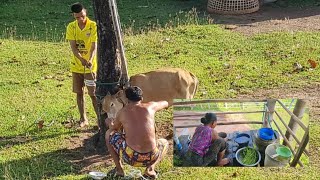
[[233, 6]]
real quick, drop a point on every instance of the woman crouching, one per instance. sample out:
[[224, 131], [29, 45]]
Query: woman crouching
[[206, 147]]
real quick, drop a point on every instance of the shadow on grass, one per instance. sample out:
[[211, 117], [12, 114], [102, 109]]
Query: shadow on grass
[[9, 141], [137, 15], [80, 157]]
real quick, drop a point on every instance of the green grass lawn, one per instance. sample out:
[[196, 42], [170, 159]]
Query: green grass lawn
[[35, 83]]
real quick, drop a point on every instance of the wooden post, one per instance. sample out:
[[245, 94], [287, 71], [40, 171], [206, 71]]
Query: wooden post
[[109, 69], [302, 146], [271, 103], [298, 111]]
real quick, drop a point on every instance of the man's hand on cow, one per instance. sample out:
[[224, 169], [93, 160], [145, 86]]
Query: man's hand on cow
[[109, 121]]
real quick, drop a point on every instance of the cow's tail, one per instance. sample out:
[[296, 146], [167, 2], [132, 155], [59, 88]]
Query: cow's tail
[[196, 84]]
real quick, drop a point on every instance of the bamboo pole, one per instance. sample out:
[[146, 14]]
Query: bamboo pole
[[217, 101], [293, 116], [298, 112], [120, 46], [292, 133], [286, 140], [268, 119], [221, 123], [305, 141]]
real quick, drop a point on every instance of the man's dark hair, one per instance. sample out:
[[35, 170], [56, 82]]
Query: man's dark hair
[[76, 7], [134, 93]]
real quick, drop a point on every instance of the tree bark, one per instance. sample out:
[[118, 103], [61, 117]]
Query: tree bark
[[109, 66]]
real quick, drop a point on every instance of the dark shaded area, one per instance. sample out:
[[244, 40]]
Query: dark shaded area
[[9, 141], [80, 156]]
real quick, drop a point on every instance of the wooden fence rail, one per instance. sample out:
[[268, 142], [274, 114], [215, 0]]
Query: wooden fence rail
[[218, 101], [217, 113], [286, 140], [293, 116], [221, 123], [292, 133]]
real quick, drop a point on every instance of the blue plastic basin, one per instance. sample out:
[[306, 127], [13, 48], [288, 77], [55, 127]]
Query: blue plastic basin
[[266, 133], [242, 139]]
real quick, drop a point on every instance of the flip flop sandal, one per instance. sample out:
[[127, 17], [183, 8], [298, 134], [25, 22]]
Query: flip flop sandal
[[150, 177]]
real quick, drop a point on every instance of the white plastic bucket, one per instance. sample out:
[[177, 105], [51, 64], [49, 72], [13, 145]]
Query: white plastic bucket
[[271, 159]]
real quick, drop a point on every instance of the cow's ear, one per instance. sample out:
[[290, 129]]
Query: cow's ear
[[121, 95], [103, 104]]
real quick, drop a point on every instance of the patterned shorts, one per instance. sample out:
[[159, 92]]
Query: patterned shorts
[[134, 158]]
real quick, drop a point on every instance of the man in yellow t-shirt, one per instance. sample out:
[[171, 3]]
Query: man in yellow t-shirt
[[82, 35]]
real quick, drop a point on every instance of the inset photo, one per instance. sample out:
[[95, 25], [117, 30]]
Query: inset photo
[[241, 133]]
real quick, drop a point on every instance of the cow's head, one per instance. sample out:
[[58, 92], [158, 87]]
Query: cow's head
[[112, 104]]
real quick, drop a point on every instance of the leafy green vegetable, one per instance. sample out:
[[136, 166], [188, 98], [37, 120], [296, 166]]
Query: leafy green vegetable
[[249, 156]]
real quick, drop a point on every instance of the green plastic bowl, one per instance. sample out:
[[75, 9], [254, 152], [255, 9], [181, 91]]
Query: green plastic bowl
[[284, 152]]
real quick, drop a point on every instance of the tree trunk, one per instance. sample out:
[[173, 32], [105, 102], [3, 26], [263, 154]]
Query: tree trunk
[[109, 67]]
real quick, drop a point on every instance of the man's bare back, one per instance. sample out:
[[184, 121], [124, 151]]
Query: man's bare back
[[138, 123], [137, 146]]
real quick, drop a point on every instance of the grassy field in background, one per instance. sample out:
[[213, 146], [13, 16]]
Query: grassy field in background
[[35, 83]]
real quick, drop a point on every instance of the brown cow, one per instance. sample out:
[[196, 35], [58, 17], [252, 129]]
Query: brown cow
[[162, 84]]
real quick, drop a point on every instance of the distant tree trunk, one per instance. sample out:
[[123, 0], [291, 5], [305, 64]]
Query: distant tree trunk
[[109, 66]]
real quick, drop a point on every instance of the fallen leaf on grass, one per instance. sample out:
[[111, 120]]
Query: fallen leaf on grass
[[40, 124], [312, 63]]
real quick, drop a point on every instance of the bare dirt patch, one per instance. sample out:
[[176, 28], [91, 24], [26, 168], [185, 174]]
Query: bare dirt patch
[[83, 154], [272, 17], [82, 151]]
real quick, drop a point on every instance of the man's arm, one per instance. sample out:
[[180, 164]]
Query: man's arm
[[92, 52], [114, 124], [159, 105], [76, 52]]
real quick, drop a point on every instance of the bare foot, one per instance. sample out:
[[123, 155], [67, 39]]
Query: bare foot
[[150, 173], [84, 123], [119, 172], [223, 162]]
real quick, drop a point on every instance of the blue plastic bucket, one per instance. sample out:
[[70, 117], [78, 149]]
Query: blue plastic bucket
[[266, 133]]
